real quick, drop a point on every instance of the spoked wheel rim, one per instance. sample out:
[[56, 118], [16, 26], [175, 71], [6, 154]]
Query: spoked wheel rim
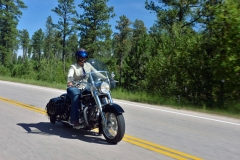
[[111, 130]]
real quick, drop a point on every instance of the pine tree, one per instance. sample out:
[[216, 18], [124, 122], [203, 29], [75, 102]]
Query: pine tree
[[37, 45], [93, 24], [66, 11], [9, 16], [49, 43], [25, 42], [175, 11], [72, 44], [122, 43], [138, 57]]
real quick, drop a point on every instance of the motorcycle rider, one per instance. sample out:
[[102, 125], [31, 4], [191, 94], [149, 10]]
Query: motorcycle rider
[[77, 72]]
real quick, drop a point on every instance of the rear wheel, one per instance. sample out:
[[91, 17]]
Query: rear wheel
[[53, 119], [115, 129]]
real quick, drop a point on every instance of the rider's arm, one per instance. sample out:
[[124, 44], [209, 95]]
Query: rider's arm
[[70, 76]]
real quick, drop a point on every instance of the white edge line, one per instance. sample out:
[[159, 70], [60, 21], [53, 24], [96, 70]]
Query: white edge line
[[183, 114]]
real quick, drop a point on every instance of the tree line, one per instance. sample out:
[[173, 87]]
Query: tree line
[[190, 54]]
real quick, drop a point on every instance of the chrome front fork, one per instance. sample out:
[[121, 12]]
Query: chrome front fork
[[100, 107]]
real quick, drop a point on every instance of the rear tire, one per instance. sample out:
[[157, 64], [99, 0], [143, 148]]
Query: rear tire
[[115, 129], [52, 119]]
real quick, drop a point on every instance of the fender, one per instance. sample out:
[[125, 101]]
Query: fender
[[112, 107]]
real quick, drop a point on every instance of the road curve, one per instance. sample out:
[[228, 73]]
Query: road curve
[[152, 132]]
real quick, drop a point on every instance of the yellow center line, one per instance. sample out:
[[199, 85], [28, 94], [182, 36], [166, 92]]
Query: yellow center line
[[159, 148], [127, 138], [33, 108], [149, 147]]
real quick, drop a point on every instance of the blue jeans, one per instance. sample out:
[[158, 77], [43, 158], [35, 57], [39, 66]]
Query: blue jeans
[[74, 94]]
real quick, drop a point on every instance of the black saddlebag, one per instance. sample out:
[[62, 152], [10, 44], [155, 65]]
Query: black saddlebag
[[56, 106]]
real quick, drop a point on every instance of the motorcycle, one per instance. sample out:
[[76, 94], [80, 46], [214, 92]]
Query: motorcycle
[[96, 106]]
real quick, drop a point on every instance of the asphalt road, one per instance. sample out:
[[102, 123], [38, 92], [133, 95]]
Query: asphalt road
[[27, 134]]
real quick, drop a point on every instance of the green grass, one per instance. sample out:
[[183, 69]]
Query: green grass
[[171, 103], [118, 93], [34, 82]]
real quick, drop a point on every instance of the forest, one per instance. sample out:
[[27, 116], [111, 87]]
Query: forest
[[191, 53]]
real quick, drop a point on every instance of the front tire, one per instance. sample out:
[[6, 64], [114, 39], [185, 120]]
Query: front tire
[[115, 129]]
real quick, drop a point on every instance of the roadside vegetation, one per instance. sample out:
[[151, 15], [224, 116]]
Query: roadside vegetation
[[146, 98], [188, 59]]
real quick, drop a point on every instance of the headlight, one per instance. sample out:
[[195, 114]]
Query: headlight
[[104, 88]]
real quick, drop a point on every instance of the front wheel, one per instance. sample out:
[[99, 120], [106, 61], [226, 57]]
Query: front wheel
[[115, 129]]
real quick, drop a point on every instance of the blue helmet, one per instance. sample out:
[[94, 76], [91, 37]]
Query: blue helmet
[[81, 54]]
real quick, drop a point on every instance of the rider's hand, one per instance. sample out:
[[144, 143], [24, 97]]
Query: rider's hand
[[69, 84]]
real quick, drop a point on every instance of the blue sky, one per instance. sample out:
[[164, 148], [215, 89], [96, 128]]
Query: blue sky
[[35, 16]]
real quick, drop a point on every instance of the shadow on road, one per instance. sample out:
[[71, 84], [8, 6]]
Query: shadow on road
[[48, 129]]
